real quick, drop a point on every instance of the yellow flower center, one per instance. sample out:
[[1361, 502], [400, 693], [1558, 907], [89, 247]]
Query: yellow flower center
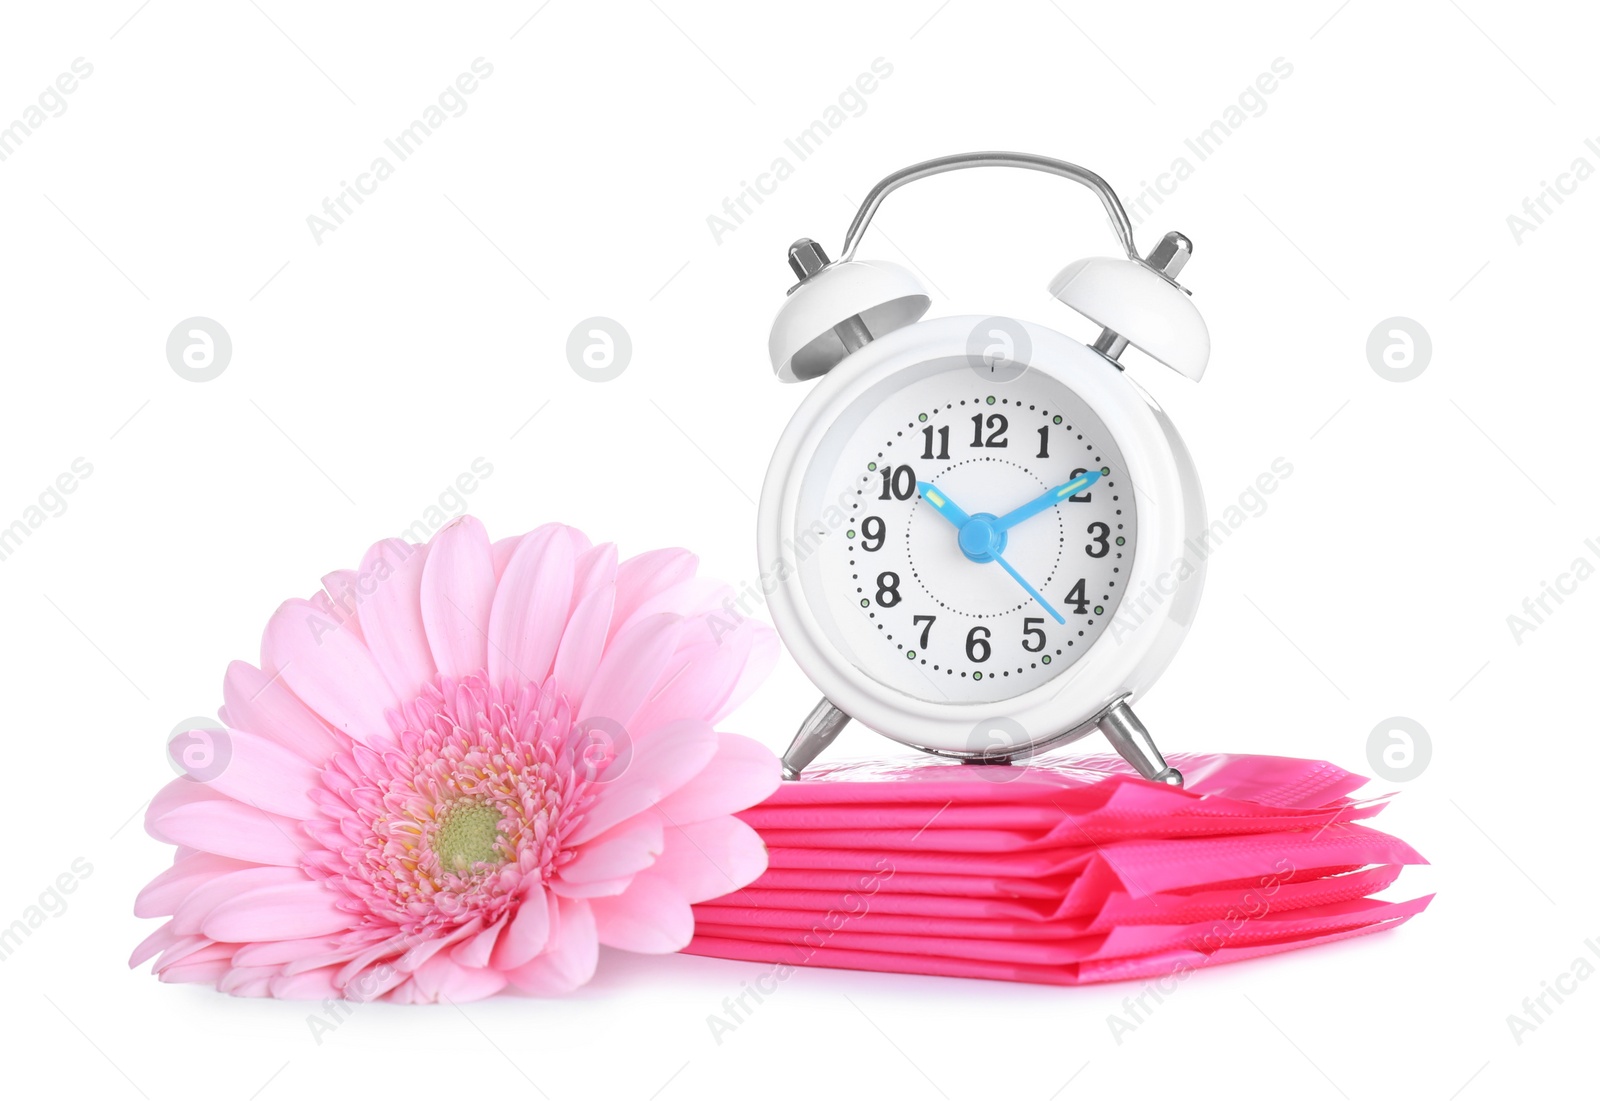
[[469, 834]]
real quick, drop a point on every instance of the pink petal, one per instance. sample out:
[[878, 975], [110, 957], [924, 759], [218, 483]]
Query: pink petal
[[477, 950], [307, 986], [391, 615], [265, 774], [230, 829], [640, 779], [457, 591], [247, 982], [530, 607], [191, 914], [278, 953], [162, 894], [709, 859], [583, 642], [622, 851], [702, 674], [442, 979], [763, 656], [501, 551], [206, 971], [156, 943], [279, 912], [644, 575], [195, 949], [181, 792], [691, 598], [593, 570], [436, 942], [263, 705], [341, 597], [329, 670], [743, 773], [632, 665], [569, 959], [650, 916], [528, 932]]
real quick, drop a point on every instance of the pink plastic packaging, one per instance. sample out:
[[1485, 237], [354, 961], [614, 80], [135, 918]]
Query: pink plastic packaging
[[1171, 964], [1063, 871]]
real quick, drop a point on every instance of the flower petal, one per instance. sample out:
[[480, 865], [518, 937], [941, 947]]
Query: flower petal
[[190, 916], [644, 575], [227, 828], [763, 656], [391, 614], [339, 597], [263, 705], [593, 570], [623, 850], [263, 773], [583, 642], [633, 662], [743, 773], [530, 607], [706, 860], [476, 950], [279, 912], [457, 591], [529, 931], [162, 895], [443, 979], [307, 986], [569, 958], [652, 915], [648, 773], [702, 674], [329, 670]]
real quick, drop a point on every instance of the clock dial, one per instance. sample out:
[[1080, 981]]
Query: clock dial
[[948, 597]]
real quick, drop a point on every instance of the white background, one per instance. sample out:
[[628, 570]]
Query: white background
[[371, 369]]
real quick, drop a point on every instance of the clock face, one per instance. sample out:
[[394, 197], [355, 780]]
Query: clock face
[[934, 505]]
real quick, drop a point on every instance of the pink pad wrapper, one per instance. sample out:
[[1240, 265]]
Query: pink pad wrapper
[[1062, 871]]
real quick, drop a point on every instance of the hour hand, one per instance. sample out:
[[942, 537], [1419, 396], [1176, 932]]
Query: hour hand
[[941, 504], [1048, 499]]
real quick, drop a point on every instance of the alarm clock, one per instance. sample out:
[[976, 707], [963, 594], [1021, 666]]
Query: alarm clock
[[973, 529]]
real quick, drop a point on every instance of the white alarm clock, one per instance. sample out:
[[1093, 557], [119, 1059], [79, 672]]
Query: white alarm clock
[[974, 527]]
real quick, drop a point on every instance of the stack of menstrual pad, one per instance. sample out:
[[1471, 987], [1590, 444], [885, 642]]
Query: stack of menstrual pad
[[1059, 871]]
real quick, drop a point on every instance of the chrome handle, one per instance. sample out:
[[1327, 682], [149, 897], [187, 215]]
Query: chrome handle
[[897, 180]]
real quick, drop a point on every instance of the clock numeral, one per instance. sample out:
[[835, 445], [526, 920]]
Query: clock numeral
[[899, 483], [1031, 629], [927, 625], [872, 533], [1044, 442], [944, 443], [1080, 498], [1078, 598], [978, 644], [997, 426], [1101, 534], [888, 590]]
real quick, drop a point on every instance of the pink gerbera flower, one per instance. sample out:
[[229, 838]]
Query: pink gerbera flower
[[462, 768]]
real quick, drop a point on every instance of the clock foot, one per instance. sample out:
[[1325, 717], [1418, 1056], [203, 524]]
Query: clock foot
[[819, 730], [1129, 737]]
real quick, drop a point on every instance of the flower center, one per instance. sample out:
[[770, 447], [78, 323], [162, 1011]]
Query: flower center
[[469, 834]]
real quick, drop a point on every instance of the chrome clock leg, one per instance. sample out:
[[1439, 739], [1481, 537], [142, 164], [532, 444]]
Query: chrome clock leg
[[1128, 735], [817, 733]]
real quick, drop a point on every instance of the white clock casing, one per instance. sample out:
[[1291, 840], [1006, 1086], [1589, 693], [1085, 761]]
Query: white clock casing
[[1159, 596]]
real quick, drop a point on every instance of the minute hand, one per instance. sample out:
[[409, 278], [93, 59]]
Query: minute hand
[[1048, 499]]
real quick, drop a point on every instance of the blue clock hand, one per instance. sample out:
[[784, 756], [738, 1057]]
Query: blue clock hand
[[941, 504], [1043, 603], [986, 531], [1048, 499]]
